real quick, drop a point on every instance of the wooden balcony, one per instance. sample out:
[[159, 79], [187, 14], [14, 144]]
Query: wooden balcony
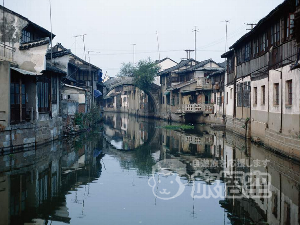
[[203, 84], [198, 108], [6, 52]]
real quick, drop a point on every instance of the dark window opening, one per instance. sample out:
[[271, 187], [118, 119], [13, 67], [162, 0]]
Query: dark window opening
[[43, 90], [17, 99], [54, 90], [276, 94]]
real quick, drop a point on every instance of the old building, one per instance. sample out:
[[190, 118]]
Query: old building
[[263, 86], [29, 87], [78, 72], [186, 90]]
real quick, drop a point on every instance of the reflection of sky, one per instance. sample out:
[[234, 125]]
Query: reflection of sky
[[117, 144]]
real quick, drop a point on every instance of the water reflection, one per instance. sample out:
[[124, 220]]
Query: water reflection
[[33, 184], [95, 179]]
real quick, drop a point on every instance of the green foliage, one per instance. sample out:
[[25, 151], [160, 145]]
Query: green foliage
[[88, 119], [145, 73], [178, 127], [127, 70]]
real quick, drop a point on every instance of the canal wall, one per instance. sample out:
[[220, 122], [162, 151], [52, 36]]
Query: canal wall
[[30, 134]]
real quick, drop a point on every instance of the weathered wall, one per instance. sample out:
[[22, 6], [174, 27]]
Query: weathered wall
[[4, 93], [69, 108], [29, 134], [33, 59], [13, 26]]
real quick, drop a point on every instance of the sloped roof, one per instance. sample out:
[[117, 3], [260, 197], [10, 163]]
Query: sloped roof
[[223, 64], [176, 67], [259, 25], [217, 72], [164, 59], [64, 51], [54, 69], [198, 65]]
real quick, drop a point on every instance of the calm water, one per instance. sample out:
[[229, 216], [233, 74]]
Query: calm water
[[138, 171]]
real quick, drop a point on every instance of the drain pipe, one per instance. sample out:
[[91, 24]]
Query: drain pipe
[[281, 102]]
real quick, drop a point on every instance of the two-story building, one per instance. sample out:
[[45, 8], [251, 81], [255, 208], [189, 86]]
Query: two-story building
[[79, 73], [29, 86], [263, 83], [186, 90]]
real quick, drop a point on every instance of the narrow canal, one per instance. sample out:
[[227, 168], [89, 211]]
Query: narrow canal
[[138, 171]]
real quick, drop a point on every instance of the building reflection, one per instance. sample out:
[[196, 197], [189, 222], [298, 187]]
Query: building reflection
[[33, 184], [126, 132]]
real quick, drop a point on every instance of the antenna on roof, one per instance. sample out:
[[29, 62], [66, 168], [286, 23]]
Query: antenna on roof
[[51, 30], [158, 45], [196, 30], [252, 25], [226, 34], [188, 53], [80, 35]]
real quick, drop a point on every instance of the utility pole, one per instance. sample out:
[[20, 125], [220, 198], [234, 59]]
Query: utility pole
[[3, 36], [133, 45], [226, 33], [51, 30], [158, 45], [91, 74], [196, 30], [188, 53]]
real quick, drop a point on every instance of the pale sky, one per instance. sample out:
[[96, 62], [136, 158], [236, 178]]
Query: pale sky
[[112, 26]]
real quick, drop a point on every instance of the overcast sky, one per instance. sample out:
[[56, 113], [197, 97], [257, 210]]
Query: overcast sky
[[112, 26]]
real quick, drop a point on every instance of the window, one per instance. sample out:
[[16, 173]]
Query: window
[[287, 213], [54, 89], [255, 96], [230, 93], [17, 99], [247, 52], [215, 98], [275, 204], [290, 25], [43, 87], [275, 33], [276, 94], [227, 98], [168, 99], [289, 87], [26, 36], [263, 95], [255, 47], [263, 43]]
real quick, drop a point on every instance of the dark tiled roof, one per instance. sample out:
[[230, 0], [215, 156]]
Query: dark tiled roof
[[34, 43], [269, 17], [178, 66], [217, 72], [199, 65], [159, 61], [227, 54], [56, 54], [223, 64], [53, 68]]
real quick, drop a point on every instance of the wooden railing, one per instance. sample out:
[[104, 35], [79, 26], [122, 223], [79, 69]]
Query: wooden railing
[[198, 108], [6, 52]]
